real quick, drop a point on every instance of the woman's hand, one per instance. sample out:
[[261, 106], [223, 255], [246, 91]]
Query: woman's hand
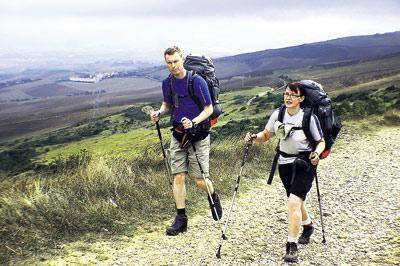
[[314, 158], [249, 137]]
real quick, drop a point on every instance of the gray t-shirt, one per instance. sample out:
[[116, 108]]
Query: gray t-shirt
[[296, 142]]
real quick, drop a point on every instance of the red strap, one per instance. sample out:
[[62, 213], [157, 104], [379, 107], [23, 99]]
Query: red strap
[[213, 121], [325, 154]]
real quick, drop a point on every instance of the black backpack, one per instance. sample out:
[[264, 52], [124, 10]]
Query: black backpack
[[204, 67], [316, 102]]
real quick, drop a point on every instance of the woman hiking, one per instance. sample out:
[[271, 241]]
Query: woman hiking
[[298, 159]]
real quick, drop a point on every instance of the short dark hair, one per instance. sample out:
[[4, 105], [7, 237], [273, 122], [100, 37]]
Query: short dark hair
[[296, 87], [173, 49]]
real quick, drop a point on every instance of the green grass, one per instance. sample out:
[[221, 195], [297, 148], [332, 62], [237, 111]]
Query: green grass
[[132, 144], [124, 145], [112, 194]]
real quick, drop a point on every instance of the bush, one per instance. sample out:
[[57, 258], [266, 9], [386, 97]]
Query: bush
[[17, 160], [240, 99], [392, 118]]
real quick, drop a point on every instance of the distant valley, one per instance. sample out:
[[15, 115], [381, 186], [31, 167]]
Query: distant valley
[[36, 102]]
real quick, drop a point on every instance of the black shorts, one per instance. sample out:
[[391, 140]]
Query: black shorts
[[302, 182]]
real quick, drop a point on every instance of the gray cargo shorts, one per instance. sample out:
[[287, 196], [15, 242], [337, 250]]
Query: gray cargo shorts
[[184, 160]]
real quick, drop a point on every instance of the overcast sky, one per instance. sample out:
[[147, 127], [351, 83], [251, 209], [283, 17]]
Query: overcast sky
[[144, 28]]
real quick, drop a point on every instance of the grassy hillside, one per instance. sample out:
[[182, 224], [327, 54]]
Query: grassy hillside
[[332, 51], [126, 134], [24, 119], [336, 76], [129, 133], [108, 175], [101, 195]]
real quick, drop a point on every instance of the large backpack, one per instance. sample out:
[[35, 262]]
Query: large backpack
[[316, 102], [204, 67]]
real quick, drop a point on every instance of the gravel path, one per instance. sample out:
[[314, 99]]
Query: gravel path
[[360, 188]]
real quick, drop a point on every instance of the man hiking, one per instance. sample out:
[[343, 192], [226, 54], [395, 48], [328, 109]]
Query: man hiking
[[297, 161], [190, 128]]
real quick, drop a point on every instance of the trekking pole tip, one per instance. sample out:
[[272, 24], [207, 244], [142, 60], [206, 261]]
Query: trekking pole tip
[[219, 252], [324, 241], [224, 237]]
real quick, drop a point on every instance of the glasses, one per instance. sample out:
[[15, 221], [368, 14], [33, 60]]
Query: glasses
[[288, 95]]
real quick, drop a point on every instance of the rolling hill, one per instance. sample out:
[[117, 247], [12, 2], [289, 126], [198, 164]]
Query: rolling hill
[[342, 50]]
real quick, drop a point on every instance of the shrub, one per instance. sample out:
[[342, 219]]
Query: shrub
[[392, 118]]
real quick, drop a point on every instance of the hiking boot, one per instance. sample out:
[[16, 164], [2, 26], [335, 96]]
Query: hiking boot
[[291, 252], [308, 230], [178, 226], [217, 205]]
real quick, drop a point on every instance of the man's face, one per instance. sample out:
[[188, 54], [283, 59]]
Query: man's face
[[174, 64]]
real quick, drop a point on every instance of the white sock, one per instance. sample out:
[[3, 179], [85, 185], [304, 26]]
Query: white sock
[[306, 222], [292, 239]]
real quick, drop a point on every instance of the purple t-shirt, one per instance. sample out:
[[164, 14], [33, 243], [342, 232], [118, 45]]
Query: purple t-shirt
[[186, 106]]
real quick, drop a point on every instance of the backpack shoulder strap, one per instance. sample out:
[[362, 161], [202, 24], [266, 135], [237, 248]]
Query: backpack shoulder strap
[[306, 124], [281, 114], [170, 89], [171, 99], [191, 77]]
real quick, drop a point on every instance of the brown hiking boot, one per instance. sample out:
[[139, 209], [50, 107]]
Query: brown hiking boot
[[291, 252]]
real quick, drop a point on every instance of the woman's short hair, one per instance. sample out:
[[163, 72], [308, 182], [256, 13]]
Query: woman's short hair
[[296, 87]]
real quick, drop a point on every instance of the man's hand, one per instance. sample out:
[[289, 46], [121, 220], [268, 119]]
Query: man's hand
[[314, 157], [155, 116], [187, 123], [249, 137]]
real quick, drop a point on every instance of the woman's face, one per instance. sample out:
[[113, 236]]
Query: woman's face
[[292, 99]]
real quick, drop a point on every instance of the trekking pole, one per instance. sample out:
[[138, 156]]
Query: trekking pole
[[208, 189], [273, 167], [223, 236], [320, 210], [164, 155]]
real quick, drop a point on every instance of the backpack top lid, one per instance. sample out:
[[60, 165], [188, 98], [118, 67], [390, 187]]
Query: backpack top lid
[[200, 64], [315, 94], [317, 100]]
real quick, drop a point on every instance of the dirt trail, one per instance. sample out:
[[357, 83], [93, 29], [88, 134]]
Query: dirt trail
[[360, 187]]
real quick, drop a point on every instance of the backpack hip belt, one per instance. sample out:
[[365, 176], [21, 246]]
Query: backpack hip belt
[[302, 155]]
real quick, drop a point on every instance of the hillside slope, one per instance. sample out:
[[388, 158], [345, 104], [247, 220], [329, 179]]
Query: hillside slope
[[343, 50], [362, 222]]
